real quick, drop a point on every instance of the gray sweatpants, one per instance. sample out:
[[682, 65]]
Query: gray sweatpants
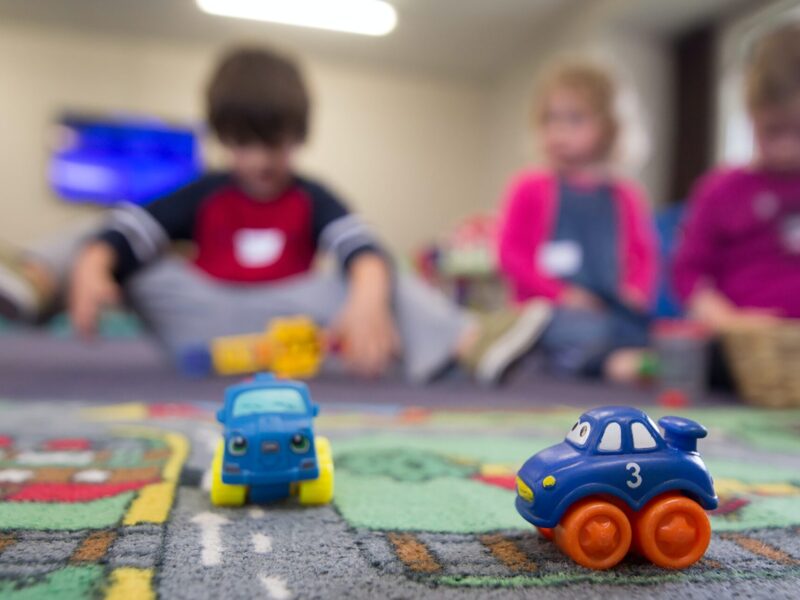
[[182, 306]]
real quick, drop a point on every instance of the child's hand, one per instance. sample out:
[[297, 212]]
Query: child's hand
[[634, 299], [720, 314], [365, 328], [579, 298], [750, 318], [91, 287], [369, 339]]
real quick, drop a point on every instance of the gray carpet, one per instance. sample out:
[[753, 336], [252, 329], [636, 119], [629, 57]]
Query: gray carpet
[[409, 519]]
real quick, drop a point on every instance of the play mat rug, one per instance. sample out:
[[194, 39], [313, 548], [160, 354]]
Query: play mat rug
[[108, 502]]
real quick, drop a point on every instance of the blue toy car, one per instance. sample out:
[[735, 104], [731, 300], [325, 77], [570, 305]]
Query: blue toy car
[[615, 483], [269, 450]]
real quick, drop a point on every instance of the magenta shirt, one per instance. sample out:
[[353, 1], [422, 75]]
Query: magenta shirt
[[742, 236]]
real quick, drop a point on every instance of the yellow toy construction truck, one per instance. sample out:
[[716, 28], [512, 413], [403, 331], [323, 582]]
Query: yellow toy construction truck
[[291, 347]]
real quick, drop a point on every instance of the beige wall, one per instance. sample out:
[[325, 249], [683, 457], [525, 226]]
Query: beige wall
[[413, 153], [406, 150]]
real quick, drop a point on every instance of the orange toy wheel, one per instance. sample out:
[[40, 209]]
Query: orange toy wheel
[[594, 533], [546, 532], [631, 514], [673, 531]]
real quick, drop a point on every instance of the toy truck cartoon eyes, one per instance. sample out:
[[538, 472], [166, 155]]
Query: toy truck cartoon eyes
[[616, 483], [269, 450]]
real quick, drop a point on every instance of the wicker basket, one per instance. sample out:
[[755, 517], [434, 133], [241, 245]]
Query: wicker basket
[[765, 363]]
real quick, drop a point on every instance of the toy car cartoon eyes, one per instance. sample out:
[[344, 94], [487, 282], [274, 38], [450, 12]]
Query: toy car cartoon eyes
[[237, 445], [579, 433], [269, 450], [616, 483], [299, 444]]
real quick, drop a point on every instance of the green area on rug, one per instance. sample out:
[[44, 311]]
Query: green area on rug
[[127, 457], [417, 482], [69, 583], [781, 511], [776, 430], [487, 449], [436, 494], [444, 505], [64, 516]]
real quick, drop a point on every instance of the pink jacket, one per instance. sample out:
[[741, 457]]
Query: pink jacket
[[527, 222]]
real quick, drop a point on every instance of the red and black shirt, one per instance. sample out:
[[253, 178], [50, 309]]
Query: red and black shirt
[[239, 238]]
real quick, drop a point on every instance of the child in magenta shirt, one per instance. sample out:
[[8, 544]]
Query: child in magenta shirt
[[578, 237], [738, 263]]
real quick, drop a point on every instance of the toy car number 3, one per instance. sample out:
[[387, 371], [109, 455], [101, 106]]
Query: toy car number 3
[[617, 482], [636, 478]]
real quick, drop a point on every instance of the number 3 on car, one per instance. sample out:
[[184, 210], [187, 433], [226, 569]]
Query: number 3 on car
[[636, 477], [617, 483]]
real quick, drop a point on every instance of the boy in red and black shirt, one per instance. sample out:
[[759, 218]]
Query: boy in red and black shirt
[[257, 229]]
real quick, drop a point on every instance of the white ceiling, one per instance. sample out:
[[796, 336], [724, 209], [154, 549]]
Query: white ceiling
[[669, 16], [470, 38]]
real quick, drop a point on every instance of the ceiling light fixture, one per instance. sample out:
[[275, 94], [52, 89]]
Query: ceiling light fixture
[[367, 17]]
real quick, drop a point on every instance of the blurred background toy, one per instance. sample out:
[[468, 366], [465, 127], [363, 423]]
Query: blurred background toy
[[463, 263], [682, 351], [292, 347]]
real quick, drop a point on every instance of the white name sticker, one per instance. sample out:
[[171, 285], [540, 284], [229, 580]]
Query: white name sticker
[[562, 258], [258, 247]]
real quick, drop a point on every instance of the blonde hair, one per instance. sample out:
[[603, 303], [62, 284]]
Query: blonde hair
[[773, 74], [594, 84]]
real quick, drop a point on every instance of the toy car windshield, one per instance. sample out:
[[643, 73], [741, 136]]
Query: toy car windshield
[[269, 401]]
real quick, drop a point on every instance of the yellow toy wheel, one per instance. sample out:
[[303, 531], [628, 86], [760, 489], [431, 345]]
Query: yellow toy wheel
[[224, 494], [320, 490]]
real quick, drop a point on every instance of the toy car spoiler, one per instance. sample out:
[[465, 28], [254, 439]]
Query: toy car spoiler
[[682, 433]]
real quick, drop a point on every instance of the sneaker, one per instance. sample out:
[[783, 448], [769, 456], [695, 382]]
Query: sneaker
[[505, 337], [19, 298]]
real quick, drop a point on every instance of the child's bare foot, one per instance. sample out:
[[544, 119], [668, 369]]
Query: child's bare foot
[[624, 366], [26, 288], [501, 339]]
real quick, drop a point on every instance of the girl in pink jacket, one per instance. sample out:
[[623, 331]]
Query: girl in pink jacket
[[579, 238]]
